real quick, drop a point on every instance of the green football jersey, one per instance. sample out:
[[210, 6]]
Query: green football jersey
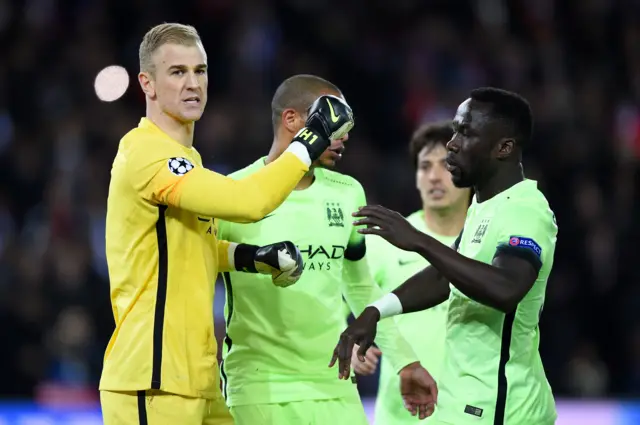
[[492, 373], [279, 340], [425, 330]]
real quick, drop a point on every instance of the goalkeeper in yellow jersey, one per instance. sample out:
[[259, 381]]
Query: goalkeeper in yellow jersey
[[163, 255]]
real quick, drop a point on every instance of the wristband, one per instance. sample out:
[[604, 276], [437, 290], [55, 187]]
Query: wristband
[[243, 258], [300, 150], [388, 306]]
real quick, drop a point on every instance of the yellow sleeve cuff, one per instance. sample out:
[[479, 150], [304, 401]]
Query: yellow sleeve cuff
[[226, 252]]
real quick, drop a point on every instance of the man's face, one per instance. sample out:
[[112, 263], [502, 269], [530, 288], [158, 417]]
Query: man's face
[[469, 152], [434, 181], [333, 153], [180, 81]]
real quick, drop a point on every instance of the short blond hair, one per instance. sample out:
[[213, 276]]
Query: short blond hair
[[167, 33]]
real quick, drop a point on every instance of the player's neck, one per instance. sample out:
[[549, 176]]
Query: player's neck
[[277, 148], [445, 222], [503, 179], [177, 130]]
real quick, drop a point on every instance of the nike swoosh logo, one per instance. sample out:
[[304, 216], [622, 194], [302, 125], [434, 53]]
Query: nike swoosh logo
[[405, 262], [334, 117], [265, 217]]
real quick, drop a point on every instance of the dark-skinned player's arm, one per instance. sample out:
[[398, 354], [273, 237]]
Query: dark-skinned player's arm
[[360, 290], [501, 284], [417, 387], [165, 177], [433, 288]]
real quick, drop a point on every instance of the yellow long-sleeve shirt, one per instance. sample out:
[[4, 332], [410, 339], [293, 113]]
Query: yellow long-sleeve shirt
[[164, 257]]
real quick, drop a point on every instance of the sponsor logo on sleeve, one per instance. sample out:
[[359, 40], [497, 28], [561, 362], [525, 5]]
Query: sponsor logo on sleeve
[[528, 243]]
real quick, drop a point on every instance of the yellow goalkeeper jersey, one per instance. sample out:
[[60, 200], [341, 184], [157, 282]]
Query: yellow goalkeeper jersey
[[164, 257]]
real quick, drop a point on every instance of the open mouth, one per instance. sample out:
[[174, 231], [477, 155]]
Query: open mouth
[[437, 193], [192, 100]]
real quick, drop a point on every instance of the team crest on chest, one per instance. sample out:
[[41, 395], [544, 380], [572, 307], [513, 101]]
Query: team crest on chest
[[480, 231], [335, 216]]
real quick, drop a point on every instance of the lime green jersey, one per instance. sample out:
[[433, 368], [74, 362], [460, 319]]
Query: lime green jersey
[[492, 373], [425, 330], [279, 340]]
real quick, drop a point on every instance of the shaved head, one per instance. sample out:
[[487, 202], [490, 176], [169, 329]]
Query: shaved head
[[298, 93]]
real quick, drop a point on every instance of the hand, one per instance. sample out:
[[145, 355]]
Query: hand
[[362, 332], [330, 118], [418, 389], [282, 260], [389, 225], [371, 359]]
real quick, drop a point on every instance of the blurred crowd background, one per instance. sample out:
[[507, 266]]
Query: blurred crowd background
[[399, 64]]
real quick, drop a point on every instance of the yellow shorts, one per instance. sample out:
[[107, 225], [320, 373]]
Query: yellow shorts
[[153, 407]]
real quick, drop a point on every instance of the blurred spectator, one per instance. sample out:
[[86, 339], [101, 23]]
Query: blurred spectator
[[586, 374]]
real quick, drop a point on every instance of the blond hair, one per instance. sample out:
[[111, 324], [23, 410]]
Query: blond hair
[[167, 33]]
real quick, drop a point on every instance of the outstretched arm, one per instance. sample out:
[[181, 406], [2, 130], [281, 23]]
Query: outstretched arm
[[501, 284], [360, 290], [170, 180], [417, 387], [423, 290]]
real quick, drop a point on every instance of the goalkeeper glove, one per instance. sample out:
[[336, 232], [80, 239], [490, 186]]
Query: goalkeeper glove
[[330, 118], [282, 260]]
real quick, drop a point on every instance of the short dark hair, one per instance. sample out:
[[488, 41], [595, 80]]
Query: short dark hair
[[429, 136], [510, 107], [298, 93]]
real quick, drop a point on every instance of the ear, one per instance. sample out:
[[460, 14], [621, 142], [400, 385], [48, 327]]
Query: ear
[[506, 148], [147, 84], [291, 120]]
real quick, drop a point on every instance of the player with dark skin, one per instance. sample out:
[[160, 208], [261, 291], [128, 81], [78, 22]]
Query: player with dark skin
[[485, 154]]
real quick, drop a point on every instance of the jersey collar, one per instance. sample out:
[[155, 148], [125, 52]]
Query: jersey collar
[[525, 184], [147, 125]]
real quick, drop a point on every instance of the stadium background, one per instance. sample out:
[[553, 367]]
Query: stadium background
[[399, 63]]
